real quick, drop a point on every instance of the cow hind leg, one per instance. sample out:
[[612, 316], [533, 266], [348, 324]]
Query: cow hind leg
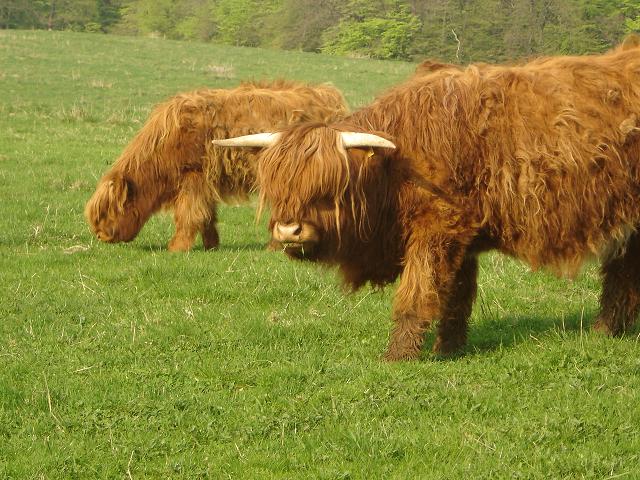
[[210, 236], [453, 325], [620, 297]]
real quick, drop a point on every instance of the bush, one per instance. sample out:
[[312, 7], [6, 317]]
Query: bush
[[382, 38]]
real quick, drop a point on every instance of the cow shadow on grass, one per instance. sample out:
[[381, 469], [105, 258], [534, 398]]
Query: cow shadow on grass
[[487, 335]]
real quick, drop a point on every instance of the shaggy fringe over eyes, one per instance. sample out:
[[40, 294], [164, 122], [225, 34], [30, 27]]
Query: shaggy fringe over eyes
[[307, 167], [107, 201]]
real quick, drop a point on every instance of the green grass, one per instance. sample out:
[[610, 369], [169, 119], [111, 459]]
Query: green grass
[[126, 361]]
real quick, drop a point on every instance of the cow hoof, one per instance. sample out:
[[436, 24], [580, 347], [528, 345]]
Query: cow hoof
[[447, 347], [400, 355], [211, 241], [603, 327], [178, 246]]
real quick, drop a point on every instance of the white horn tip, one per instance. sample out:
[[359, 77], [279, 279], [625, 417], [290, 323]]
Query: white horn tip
[[357, 139], [255, 140]]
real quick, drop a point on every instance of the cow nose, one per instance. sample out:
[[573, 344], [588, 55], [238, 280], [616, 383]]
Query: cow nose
[[289, 232], [105, 235]]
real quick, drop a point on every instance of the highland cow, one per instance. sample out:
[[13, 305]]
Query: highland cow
[[429, 66], [540, 161], [172, 164]]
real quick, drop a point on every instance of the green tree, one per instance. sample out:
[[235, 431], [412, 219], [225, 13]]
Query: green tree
[[21, 14], [195, 20], [242, 22], [299, 30], [452, 30], [74, 15], [177, 19], [461, 31], [149, 16], [108, 13], [631, 12], [87, 15], [387, 36]]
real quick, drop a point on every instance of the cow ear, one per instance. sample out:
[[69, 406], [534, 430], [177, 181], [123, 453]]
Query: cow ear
[[118, 192], [631, 41], [364, 153], [297, 116]]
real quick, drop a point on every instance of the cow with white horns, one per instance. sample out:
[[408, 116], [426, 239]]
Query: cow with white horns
[[540, 161]]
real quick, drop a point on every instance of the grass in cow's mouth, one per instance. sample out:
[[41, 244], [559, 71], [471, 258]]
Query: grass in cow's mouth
[[127, 361], [293, 246]]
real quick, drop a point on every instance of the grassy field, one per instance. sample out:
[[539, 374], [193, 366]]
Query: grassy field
[[126, 361]]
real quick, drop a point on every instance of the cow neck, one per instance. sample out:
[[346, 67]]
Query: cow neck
[[378, 257], [153, 188]]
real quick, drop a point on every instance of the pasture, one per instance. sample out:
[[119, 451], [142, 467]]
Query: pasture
[[127, 361]]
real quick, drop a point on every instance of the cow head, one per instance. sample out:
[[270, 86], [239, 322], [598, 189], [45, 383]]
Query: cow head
[[317, 181], [111, 211]]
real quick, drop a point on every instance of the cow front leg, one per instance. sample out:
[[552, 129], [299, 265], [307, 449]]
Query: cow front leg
[[184, 237], [620, 297], [422, 296], [191, 211], [453, 325], [407, 337]]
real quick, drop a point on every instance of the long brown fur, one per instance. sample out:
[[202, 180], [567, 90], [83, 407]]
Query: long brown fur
[[540, 161], [172, 164]]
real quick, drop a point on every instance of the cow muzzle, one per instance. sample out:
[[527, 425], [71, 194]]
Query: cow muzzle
[[296, 233], [105, 235]]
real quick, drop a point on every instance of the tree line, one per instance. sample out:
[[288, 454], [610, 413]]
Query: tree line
[[459, 31]]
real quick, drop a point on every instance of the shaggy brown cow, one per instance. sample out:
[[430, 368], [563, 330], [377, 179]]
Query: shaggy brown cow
[[429, 66], [171, 163], [540, 161]]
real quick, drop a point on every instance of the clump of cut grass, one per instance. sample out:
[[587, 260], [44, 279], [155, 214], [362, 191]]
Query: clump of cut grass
[[221, 71]]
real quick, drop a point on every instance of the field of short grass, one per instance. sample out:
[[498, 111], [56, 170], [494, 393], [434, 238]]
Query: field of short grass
[[126, 361]]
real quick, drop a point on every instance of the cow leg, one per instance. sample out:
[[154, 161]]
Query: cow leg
[[620, 297], [210, 237], [453, 325], [185, 235], [191, 211], [422, 297]]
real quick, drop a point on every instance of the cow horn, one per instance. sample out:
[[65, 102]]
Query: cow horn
[[354, 139], [255, 140]]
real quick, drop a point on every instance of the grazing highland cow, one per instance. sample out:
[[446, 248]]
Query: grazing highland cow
[[171, 163], [539, 161], [429, 66]]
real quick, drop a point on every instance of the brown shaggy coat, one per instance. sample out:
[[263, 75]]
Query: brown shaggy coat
[[172, 164], [540, 161], [429, 66]]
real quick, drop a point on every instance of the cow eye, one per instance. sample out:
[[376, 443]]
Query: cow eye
[[131, 189]]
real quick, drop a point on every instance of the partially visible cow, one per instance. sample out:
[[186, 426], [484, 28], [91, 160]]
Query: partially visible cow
[[540, 161], [172, 164], [429, 66]]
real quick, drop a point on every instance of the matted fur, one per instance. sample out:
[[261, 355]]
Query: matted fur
[[540, 161], [172, 164]]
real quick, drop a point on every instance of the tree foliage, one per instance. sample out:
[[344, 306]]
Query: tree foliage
[[451, 30], [386, 33]]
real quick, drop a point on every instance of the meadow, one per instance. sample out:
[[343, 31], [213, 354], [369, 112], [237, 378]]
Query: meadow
[[127, 361]]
